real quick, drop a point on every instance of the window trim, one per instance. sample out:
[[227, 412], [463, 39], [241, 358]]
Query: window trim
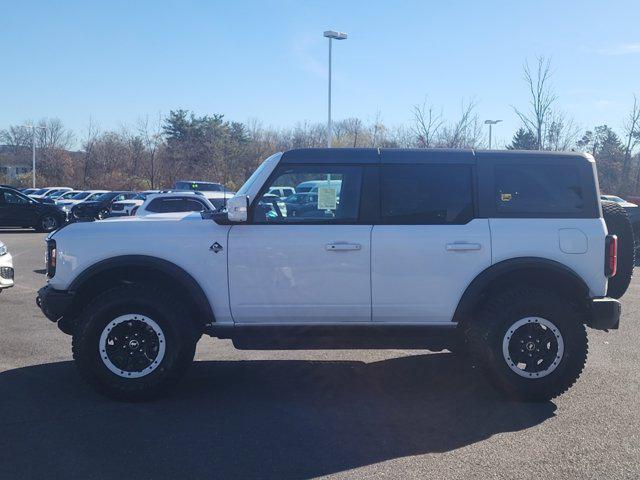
[[275, 174], [473, 178]]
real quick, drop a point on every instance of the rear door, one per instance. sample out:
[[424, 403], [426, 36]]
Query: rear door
[[429, 244]]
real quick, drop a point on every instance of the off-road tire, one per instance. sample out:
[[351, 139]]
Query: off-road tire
[[179, 332], [618, 223], [487, 331]]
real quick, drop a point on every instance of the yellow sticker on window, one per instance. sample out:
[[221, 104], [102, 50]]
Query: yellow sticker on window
[[505, 197], [327, 198]]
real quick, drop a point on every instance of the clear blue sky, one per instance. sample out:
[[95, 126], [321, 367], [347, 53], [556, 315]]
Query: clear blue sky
[[123, 60]]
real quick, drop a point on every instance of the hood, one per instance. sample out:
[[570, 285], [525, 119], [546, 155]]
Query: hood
[[119, 228]]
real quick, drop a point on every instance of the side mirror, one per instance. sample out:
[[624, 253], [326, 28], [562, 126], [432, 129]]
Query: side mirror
[[238, 208]]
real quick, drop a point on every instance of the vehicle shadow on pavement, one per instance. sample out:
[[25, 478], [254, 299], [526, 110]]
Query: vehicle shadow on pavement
[[251, 419]]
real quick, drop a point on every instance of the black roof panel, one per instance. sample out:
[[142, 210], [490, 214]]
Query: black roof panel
[[419, 155], [331, 155]]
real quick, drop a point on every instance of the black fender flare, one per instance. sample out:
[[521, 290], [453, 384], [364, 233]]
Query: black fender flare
[[474, 292], [185, 280]]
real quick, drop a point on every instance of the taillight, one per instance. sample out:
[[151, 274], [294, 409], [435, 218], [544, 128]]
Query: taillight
[[51, 258], [611, 255]]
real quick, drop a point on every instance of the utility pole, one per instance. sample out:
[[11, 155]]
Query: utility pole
[[491, 123], [331, 35], [33, 152]]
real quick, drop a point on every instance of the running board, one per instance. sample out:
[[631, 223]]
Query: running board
[[334, 337]]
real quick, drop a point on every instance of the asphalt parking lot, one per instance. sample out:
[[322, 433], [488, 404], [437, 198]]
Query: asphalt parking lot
[[341, 414]]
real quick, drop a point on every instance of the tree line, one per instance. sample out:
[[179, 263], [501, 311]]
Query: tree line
[[156, 152]]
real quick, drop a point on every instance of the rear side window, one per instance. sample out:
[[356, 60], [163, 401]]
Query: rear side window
[[426, 194], [538, 189]]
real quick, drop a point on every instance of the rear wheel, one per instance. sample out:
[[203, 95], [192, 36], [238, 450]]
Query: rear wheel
[[618, 223], [530, 343], [102, 214], [133, 342]]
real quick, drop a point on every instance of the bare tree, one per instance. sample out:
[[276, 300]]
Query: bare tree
[[151, 136], [465, 132], [16, 137], [560, 133], [426, 124], [542, 98], [87, 145], [52, 135]]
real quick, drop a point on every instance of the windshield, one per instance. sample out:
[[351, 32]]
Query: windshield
[[99, 197], [40, 192], [199, 186], [140, 196], [81, 195], [94, 196], [250, 181], [68, 195]]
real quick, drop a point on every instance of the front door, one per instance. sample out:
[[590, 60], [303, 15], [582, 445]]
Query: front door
[[17, 210], [428, 246], [307, 264]]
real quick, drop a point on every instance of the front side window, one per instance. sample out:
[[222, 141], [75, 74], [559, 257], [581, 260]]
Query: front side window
[[426, 194], [538, 189], [14, 199], [333, 196]]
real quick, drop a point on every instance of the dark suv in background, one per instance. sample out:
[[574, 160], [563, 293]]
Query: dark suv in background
[[100, 207], [18, 210]]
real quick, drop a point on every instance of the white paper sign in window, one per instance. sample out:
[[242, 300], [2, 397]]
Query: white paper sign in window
[[327, 198]]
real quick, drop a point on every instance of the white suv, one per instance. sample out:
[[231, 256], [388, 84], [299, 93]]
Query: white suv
[[504, 255], [6, 268]]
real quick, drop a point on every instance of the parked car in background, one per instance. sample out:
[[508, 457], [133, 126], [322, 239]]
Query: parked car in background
[[88, 195], [125, 208], [634, 216], [217, 199], [216, 193], [620, 201], [282, 192], [48, 191], [28, 191], [300, 202], [6, 268], [55, 196], [171, 202], [312, 185], [66, 196], [198, 186], [99, 207], [18, 210], [273, 206]]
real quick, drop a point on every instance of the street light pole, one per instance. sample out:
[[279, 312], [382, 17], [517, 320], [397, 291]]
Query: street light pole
[[33, 152], [331, 35], [33, 157], [491, 123]]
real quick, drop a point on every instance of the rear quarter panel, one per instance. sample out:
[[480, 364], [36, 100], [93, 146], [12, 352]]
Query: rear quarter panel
[[577, 243]]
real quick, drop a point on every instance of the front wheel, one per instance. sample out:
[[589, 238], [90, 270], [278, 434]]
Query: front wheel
[[48, 223], [133, 343], [530, 343]]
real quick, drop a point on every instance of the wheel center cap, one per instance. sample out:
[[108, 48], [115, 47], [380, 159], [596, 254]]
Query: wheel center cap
[[133, 344], [530, 346]]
